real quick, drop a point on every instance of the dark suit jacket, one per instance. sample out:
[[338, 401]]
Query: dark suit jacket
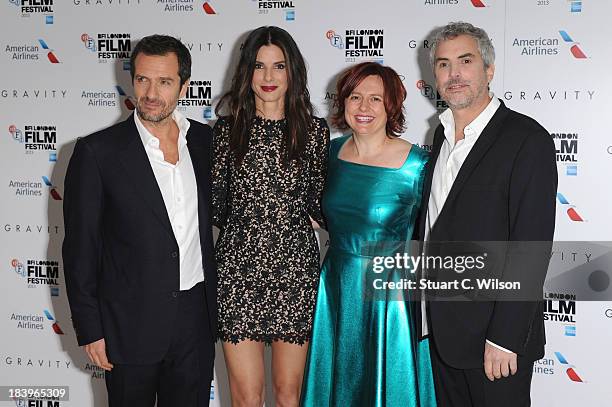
[[504, 191], [121, 258]]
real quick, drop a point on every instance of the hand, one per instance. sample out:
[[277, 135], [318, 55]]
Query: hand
[[498, 363], [315, 224], [97, 354]]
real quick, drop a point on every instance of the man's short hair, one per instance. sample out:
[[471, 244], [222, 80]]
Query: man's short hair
[[162, 45], [455, 29]]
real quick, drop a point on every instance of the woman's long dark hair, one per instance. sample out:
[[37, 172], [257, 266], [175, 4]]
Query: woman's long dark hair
[[240, 100]]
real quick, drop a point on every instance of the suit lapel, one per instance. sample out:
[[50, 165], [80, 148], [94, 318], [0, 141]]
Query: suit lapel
[[431, 165], [138, 169], [486, 139]]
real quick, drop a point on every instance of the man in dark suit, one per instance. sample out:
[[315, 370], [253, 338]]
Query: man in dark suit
[[138, 250], [492, 177]]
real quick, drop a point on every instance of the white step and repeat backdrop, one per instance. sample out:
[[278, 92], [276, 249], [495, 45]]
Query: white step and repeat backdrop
[[65, 74]]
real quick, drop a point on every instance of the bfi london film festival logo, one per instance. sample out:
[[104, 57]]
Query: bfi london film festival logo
[[566, 146], [31, 52], [558, 364], [430, 92], [36, 138], [199, 95], [359, 45], [29, 8], [28, 188], [109, 47], [548, 46], [40, 402], [36, 322], [267, 7], [38, 273], [560, 309]]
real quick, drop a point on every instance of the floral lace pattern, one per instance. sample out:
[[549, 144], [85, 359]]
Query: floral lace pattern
[[267, 254]]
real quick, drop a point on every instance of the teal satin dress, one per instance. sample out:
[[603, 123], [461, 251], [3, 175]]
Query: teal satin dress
[[365, 352]]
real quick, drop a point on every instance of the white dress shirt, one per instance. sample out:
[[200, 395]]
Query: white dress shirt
[[179, 190], [451, 158]]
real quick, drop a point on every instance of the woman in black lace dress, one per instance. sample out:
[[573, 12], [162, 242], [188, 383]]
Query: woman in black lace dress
[[269, 171]]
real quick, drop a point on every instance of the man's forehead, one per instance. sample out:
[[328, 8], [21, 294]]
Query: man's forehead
[[160, 65], [459, 46]]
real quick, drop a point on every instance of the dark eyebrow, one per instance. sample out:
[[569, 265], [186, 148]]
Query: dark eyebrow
[[469, 54], [274, 63]]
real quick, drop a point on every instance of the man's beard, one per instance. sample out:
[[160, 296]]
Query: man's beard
[[155, 118], [466, 100]]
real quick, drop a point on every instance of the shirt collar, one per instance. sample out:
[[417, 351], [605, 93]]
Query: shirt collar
[[149, 139], [473, 129]]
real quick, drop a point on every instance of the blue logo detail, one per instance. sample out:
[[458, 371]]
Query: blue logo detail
[[576, 6], [207, 114]]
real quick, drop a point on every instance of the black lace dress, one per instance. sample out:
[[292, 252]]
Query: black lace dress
[[267, 253]]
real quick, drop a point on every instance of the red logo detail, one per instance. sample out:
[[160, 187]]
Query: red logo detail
[[573, 215], [208, 8], [571, 373], [55, 195], [478, 3], [577, 52], [52, 58], [129, 104], [57, 329]]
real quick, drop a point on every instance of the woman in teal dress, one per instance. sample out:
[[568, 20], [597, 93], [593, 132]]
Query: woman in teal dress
[[364, 350]]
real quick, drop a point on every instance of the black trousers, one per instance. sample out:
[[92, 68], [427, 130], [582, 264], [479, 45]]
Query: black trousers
[[471, 388], [184, 375]]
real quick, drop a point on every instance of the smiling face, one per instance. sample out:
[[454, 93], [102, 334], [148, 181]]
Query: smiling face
[[461, 77], [157, 86], [364, 110], [269, 81]]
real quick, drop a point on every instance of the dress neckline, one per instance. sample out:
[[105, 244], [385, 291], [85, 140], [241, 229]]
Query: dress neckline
[[373, 166], [269, 122]]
